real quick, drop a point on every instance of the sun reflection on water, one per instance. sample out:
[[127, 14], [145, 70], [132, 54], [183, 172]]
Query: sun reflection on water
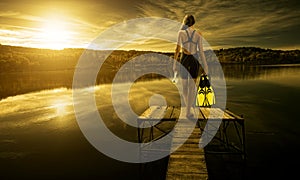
[[60, 107]]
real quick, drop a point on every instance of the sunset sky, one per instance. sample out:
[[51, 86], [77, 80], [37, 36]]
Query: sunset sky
[[75, 23]]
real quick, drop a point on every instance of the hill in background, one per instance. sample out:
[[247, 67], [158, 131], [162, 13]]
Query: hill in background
[[254, 55], [24, 70], [14, 59]]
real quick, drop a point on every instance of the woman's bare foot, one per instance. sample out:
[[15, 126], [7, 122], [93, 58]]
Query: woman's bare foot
[[189, 115]]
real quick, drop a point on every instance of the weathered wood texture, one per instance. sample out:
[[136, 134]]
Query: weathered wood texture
[[187, 162]]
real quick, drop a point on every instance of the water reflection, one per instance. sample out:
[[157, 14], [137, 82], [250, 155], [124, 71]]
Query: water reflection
[[61, 103], [22, 82], [60, 107], [248, 72], [35, 108], [49, 114], [48, 105]]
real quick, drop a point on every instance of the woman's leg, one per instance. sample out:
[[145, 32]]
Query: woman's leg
[[185, 91], [191, 96]]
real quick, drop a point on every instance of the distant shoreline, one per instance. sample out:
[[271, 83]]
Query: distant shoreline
[[48, 49], [24, 70], [15, 58]]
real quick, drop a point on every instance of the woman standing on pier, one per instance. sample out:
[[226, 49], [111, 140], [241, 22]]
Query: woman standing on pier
[[189, 43]]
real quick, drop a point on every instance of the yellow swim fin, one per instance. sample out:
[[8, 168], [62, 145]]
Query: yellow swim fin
[[205, 95]]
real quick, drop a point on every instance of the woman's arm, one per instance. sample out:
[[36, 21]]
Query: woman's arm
[[176, 55], [177, 50], [202, 55]]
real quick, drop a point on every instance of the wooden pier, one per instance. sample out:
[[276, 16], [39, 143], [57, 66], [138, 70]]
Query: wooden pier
[[188, 161]]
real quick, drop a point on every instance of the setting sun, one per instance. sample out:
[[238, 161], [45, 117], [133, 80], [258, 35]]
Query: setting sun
[[54, 34]]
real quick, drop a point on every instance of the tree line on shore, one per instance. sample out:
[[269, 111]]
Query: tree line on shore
[[15, 59], [255, 55]]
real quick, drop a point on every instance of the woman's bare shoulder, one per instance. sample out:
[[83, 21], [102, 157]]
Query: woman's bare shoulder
[[198, 33], [181, 31]]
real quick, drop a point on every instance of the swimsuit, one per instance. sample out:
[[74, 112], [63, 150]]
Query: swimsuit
[[189, 61]]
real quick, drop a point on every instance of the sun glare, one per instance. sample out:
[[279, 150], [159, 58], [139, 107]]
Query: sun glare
[[54, 34], [60, 107]]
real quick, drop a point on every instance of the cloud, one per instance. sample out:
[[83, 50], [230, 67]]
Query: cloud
[[226, 23], [21, 29], [233, 22], [8, 13]]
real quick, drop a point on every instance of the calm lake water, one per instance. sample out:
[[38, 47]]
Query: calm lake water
[[40, 138]]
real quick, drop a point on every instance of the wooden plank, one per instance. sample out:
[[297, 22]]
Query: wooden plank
[[188, 167], [234, 115], [175, 114], [228, 116], [154, 113], [197, 111], [193, 135], [176, 176], [193, 163], [169, 112], [145, 113], [214, 113], [158, 113], [181, 127], [178, 140], [188, 161], [188, 149], [195, 146], [180, 131], [185, 156], [205, 112]]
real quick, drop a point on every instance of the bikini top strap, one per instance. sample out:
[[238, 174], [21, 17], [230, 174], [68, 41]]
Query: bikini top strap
[[192, 35], [190, 39], [187, 33]]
